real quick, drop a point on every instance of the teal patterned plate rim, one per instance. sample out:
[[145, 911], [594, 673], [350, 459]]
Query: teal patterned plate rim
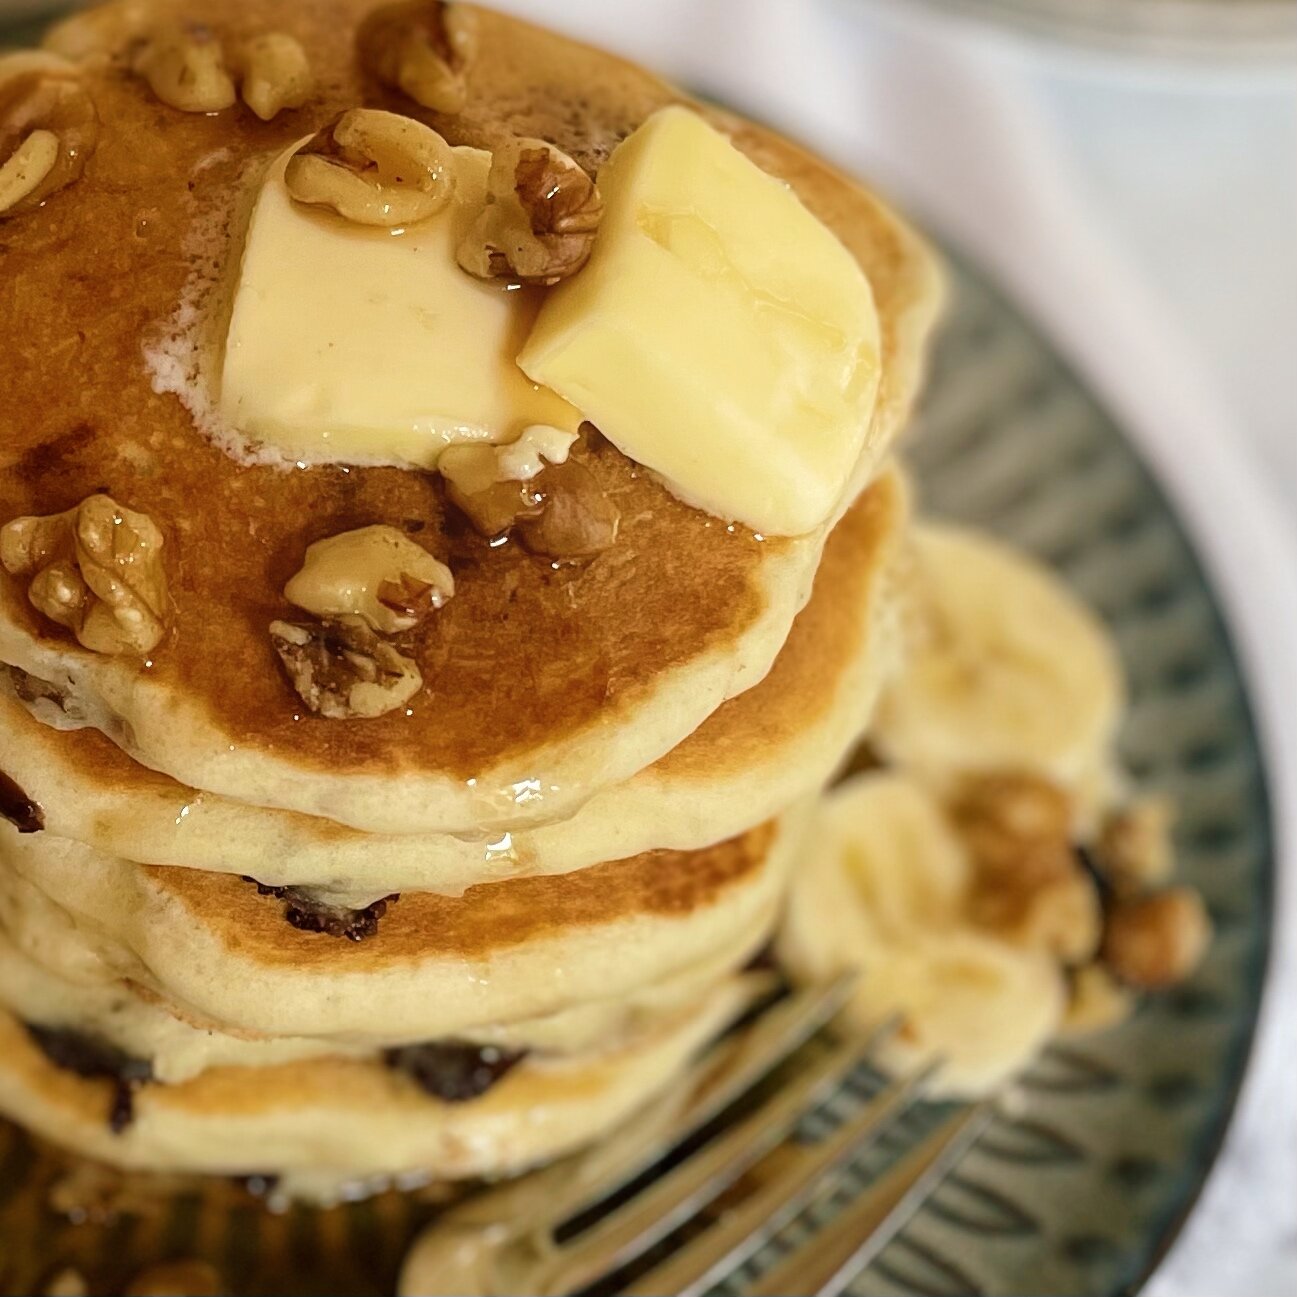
[[1010, 438]]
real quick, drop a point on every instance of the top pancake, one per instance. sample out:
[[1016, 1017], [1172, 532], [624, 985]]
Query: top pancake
[[750, 759], [542, 685]]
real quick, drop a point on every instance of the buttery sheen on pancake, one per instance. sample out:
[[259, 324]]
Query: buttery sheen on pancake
[[437, 966], [752, 758], [543, 686]]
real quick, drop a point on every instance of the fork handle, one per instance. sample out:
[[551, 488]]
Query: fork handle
[[835, 1255]]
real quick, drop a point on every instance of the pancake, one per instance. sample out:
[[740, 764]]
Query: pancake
[[543, 685], [212, 946], [139, 1025], [752, 758], [323, 1124]]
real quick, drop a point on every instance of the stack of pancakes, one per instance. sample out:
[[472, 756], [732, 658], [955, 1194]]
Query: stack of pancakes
[[469, 935]]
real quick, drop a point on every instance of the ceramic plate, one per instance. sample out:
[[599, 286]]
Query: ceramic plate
[[1085, 1189]]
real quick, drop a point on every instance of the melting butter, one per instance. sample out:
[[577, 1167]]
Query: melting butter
[[357, 345], [720, 334]]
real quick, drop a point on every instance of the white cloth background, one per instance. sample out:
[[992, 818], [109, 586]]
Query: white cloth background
[[1147, 218]]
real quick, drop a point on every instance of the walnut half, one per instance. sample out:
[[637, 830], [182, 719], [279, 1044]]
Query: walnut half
[[1028, 885], [343, 670], [1157, 940], [48, 129], [541, 216], [374, 168], [275, 74], [184, 66], [377, 573], [422, 48], [96, 570]]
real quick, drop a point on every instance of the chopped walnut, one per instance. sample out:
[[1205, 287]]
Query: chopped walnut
[[48, 129], [1028, 885], [377, 573], [176, 1279], [542, 212], [276, 74], [492, 484], [184, 66], [495, 508], [106, 31], [1097, 1001], [341, 669], [423, 49], [1134, 850], [374, 168], [997, 813], [1158, 940], [556, 505], [97, 570], [577, 519]]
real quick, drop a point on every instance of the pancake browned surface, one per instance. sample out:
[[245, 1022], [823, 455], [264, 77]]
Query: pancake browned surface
[[552, 682], [436, 966], [750, 759]]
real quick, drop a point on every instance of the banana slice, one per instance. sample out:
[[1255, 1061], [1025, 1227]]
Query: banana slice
[[1007, 671], [883, 889]]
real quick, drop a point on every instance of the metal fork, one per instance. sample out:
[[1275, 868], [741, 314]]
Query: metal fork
[[532, 1236]]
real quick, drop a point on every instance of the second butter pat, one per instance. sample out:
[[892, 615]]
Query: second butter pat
[[365, 345], [720, 334]]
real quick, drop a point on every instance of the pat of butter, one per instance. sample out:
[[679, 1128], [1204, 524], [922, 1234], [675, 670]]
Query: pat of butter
[[360, 345], [719, 334]]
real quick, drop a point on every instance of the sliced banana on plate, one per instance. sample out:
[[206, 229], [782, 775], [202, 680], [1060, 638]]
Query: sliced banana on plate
[[883, 888], [1007, 670]]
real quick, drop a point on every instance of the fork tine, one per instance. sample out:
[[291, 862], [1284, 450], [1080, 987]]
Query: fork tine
[[717, 1080], [694, 1267], [685, 1190], [832, 1257]]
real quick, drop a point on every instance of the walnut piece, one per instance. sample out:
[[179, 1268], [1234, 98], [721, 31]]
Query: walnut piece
[[1158, 940], [1028, 885], [96, 570], [423, 49], [105, 31], [541, 216], [577, 519], [342, 670], [556, 505], [374, 168], [1134, 850], [184, 66], [491, 484], [1097, 1001], [48, 129], [276, 74], [377, 573]]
